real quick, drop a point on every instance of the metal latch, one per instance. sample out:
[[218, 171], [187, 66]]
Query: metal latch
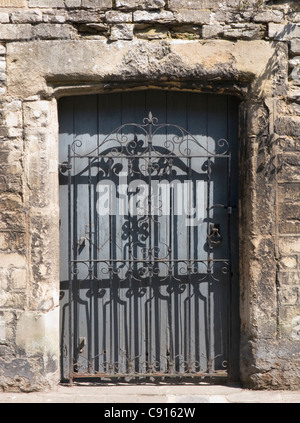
[[214, 235], [64, 166]]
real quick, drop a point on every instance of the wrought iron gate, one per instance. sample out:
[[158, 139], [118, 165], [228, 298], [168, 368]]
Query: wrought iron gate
[[148, 290]]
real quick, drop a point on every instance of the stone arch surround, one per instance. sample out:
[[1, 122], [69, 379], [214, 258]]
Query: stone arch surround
[[40, 72]]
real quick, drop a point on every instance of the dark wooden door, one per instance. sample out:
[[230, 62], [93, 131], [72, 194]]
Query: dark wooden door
[[148, 195]]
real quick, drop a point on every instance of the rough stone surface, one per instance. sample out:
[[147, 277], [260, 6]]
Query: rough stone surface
[[52, 48]]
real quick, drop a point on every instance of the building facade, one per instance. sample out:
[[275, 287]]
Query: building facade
[[59, 57]]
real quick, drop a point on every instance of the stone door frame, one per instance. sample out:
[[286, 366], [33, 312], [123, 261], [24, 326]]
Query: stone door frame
[[41, 72]]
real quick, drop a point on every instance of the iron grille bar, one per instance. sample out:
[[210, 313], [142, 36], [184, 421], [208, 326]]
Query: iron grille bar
[[138, 156], [209, 343], [200, 375], [70, 276]]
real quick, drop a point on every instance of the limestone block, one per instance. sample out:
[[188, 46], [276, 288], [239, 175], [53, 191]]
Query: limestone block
[[192, 4], [13, 119], [59, 17], [295, 46], [289, 191], [13, 3], [243, 31], [212, 31], [288, 125], [2, 69], [27, 16], [295, 75], [144, 16], [84, 16], [4, 18], [52, 31], [152, 33], [12, 260], [288, 170], [72, 3], [296, 328], [46, 3], [38, 333], [284, 32], [140, 4], [18, 278], [294, 17], [2, 329], [15, 32], [102, 4], [190, 16], [113, 16], [36, 114], [288, 262], [97, 59], [289, 214], [268, 16], [289, 245], [122, 32]]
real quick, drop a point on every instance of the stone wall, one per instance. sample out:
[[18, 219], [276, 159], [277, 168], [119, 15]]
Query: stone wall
[[248, 48]]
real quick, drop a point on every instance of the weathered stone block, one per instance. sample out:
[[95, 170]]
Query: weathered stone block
[[9, 32], [13, 119], [295, 46], [140, 4], [13, 3], [192, 4], [46, 3], [288, 125], [84, 16], [4, 18], [288, 167], [288, 262], [284, 32], [36, 113], [212, 31], [152, 33], [72, 3], [289, 191], [144, 16], [37, 333], [2, 329], [243, 31], [289, 215], [189, 16], [52, 31], [27, 16], [268, 16], [59, 17], [289, 245], [102, 4], [18, 278], [118, 17], [122, 32]]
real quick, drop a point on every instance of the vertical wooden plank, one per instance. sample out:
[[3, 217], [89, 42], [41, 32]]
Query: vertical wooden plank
[[85, 128]]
